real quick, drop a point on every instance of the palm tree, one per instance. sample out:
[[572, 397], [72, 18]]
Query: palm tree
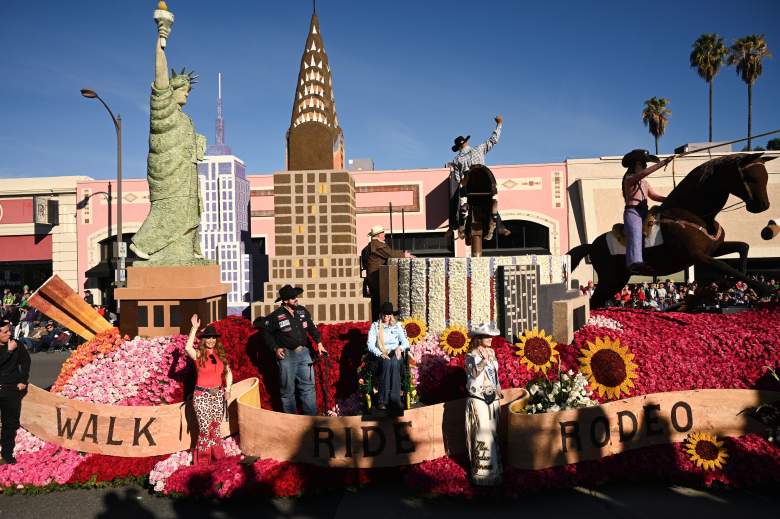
[[655, 116], [746, 54], [707, 57]]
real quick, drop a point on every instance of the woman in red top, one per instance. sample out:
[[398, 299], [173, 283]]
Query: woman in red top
[[211, 391]]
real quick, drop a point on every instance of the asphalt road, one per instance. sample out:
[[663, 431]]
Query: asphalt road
[[613, 501], [620, 502]]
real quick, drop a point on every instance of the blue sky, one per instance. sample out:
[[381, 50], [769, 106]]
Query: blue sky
[[570, 77]]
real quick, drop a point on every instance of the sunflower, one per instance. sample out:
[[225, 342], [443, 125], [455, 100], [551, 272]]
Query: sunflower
[[415, 329], [609, 367], [706, 451], [537, 350], [454, 340]]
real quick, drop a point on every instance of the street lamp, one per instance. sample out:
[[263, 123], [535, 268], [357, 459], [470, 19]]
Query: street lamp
[[119, 279]]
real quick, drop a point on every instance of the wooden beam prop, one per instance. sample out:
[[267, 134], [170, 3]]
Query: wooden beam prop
[[57, 300], [128, 431], [545, 440]]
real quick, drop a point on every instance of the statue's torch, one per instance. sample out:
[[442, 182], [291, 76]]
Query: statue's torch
[[164, 18]]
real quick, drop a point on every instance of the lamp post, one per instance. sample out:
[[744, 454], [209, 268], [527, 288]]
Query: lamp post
[[81, 204], [119, 278]]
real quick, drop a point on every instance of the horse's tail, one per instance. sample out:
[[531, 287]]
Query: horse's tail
[[578, 253]]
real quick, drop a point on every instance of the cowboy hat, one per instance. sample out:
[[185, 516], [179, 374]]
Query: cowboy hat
[[484, 330], [377, 229], [210, 331], [460, 140], [387, 309], [288, 292], [638, 156]]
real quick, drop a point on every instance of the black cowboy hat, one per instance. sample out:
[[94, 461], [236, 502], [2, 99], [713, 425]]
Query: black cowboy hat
[[210, 331], [288, 292], [460, 140], [638, 156], [387, 309]]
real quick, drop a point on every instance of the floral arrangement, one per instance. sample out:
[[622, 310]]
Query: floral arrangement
[[706, 451], [141, 372], [663, 351], [568, 392], [455, 340], [537, 350], [415, 329], [609, 367], [462, 291], [102, 344]]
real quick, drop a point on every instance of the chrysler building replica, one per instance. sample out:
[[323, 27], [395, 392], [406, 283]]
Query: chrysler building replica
[[314, 203]]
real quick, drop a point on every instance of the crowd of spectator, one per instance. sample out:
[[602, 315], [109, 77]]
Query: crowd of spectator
[[35, 330], [668, 294]]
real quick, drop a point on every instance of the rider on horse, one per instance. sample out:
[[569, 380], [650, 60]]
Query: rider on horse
[[467, 157], [636, 191]]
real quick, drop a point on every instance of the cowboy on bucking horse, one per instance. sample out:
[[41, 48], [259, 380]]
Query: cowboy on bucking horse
[[466, 158], [636, 191]]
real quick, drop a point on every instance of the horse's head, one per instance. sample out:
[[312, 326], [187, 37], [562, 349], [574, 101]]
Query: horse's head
[[750, 180]]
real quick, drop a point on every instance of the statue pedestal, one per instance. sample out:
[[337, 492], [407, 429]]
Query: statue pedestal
[[161, 300]]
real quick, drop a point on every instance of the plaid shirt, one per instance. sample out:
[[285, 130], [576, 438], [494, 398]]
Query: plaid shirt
[[469, 156]]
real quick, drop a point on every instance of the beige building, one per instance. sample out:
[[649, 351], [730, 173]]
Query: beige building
[[596, 203], [38, 230]]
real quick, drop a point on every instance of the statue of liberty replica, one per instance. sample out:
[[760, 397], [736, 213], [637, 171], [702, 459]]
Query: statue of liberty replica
[[169, 235]]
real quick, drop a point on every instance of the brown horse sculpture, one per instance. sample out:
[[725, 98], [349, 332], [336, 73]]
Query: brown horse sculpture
[[690, 233], [479, 186]]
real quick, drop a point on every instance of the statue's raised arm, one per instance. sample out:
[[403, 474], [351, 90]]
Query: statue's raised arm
[[164, 19]]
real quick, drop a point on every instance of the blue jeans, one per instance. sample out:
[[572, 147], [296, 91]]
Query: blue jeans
[[389, 381], [296, 375], [632, 224]]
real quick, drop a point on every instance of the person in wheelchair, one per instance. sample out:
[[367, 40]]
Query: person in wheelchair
[[387, 342], [466, 158]]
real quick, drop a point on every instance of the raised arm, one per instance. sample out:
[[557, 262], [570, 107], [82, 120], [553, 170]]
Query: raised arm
[[161, 79], [488, 144], [190, 346], [637, 177]]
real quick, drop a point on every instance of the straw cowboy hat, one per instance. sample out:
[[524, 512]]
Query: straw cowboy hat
[[484, 330], [375, 230]]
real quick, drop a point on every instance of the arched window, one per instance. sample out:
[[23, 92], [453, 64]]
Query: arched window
[[527, 238]]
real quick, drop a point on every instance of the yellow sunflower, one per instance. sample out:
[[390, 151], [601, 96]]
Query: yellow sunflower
[[706, 451], [537, 350], [415, 329], [455, 340], [609, 367]]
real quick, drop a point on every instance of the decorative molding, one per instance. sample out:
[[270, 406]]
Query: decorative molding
[[520, 184], [414, 207]]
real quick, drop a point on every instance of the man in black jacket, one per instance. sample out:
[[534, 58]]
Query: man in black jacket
[[286, 333], [14, 373]]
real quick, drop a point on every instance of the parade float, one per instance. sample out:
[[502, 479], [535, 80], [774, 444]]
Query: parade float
[[589, 397]]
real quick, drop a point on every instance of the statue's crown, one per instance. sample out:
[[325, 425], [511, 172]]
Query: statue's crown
[[183, 78]]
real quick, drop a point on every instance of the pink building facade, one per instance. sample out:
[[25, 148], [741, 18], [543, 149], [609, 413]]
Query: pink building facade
[[532, 202]]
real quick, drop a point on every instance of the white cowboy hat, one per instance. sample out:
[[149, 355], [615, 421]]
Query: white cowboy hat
[[484, 329], [377, 229]]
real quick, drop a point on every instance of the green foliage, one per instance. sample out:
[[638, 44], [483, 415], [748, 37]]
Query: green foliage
[[773, 145], [746, 54], [708, 54]]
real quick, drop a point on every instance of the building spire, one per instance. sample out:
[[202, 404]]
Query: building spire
[[219, 147], [314, 140], [220, 121]]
